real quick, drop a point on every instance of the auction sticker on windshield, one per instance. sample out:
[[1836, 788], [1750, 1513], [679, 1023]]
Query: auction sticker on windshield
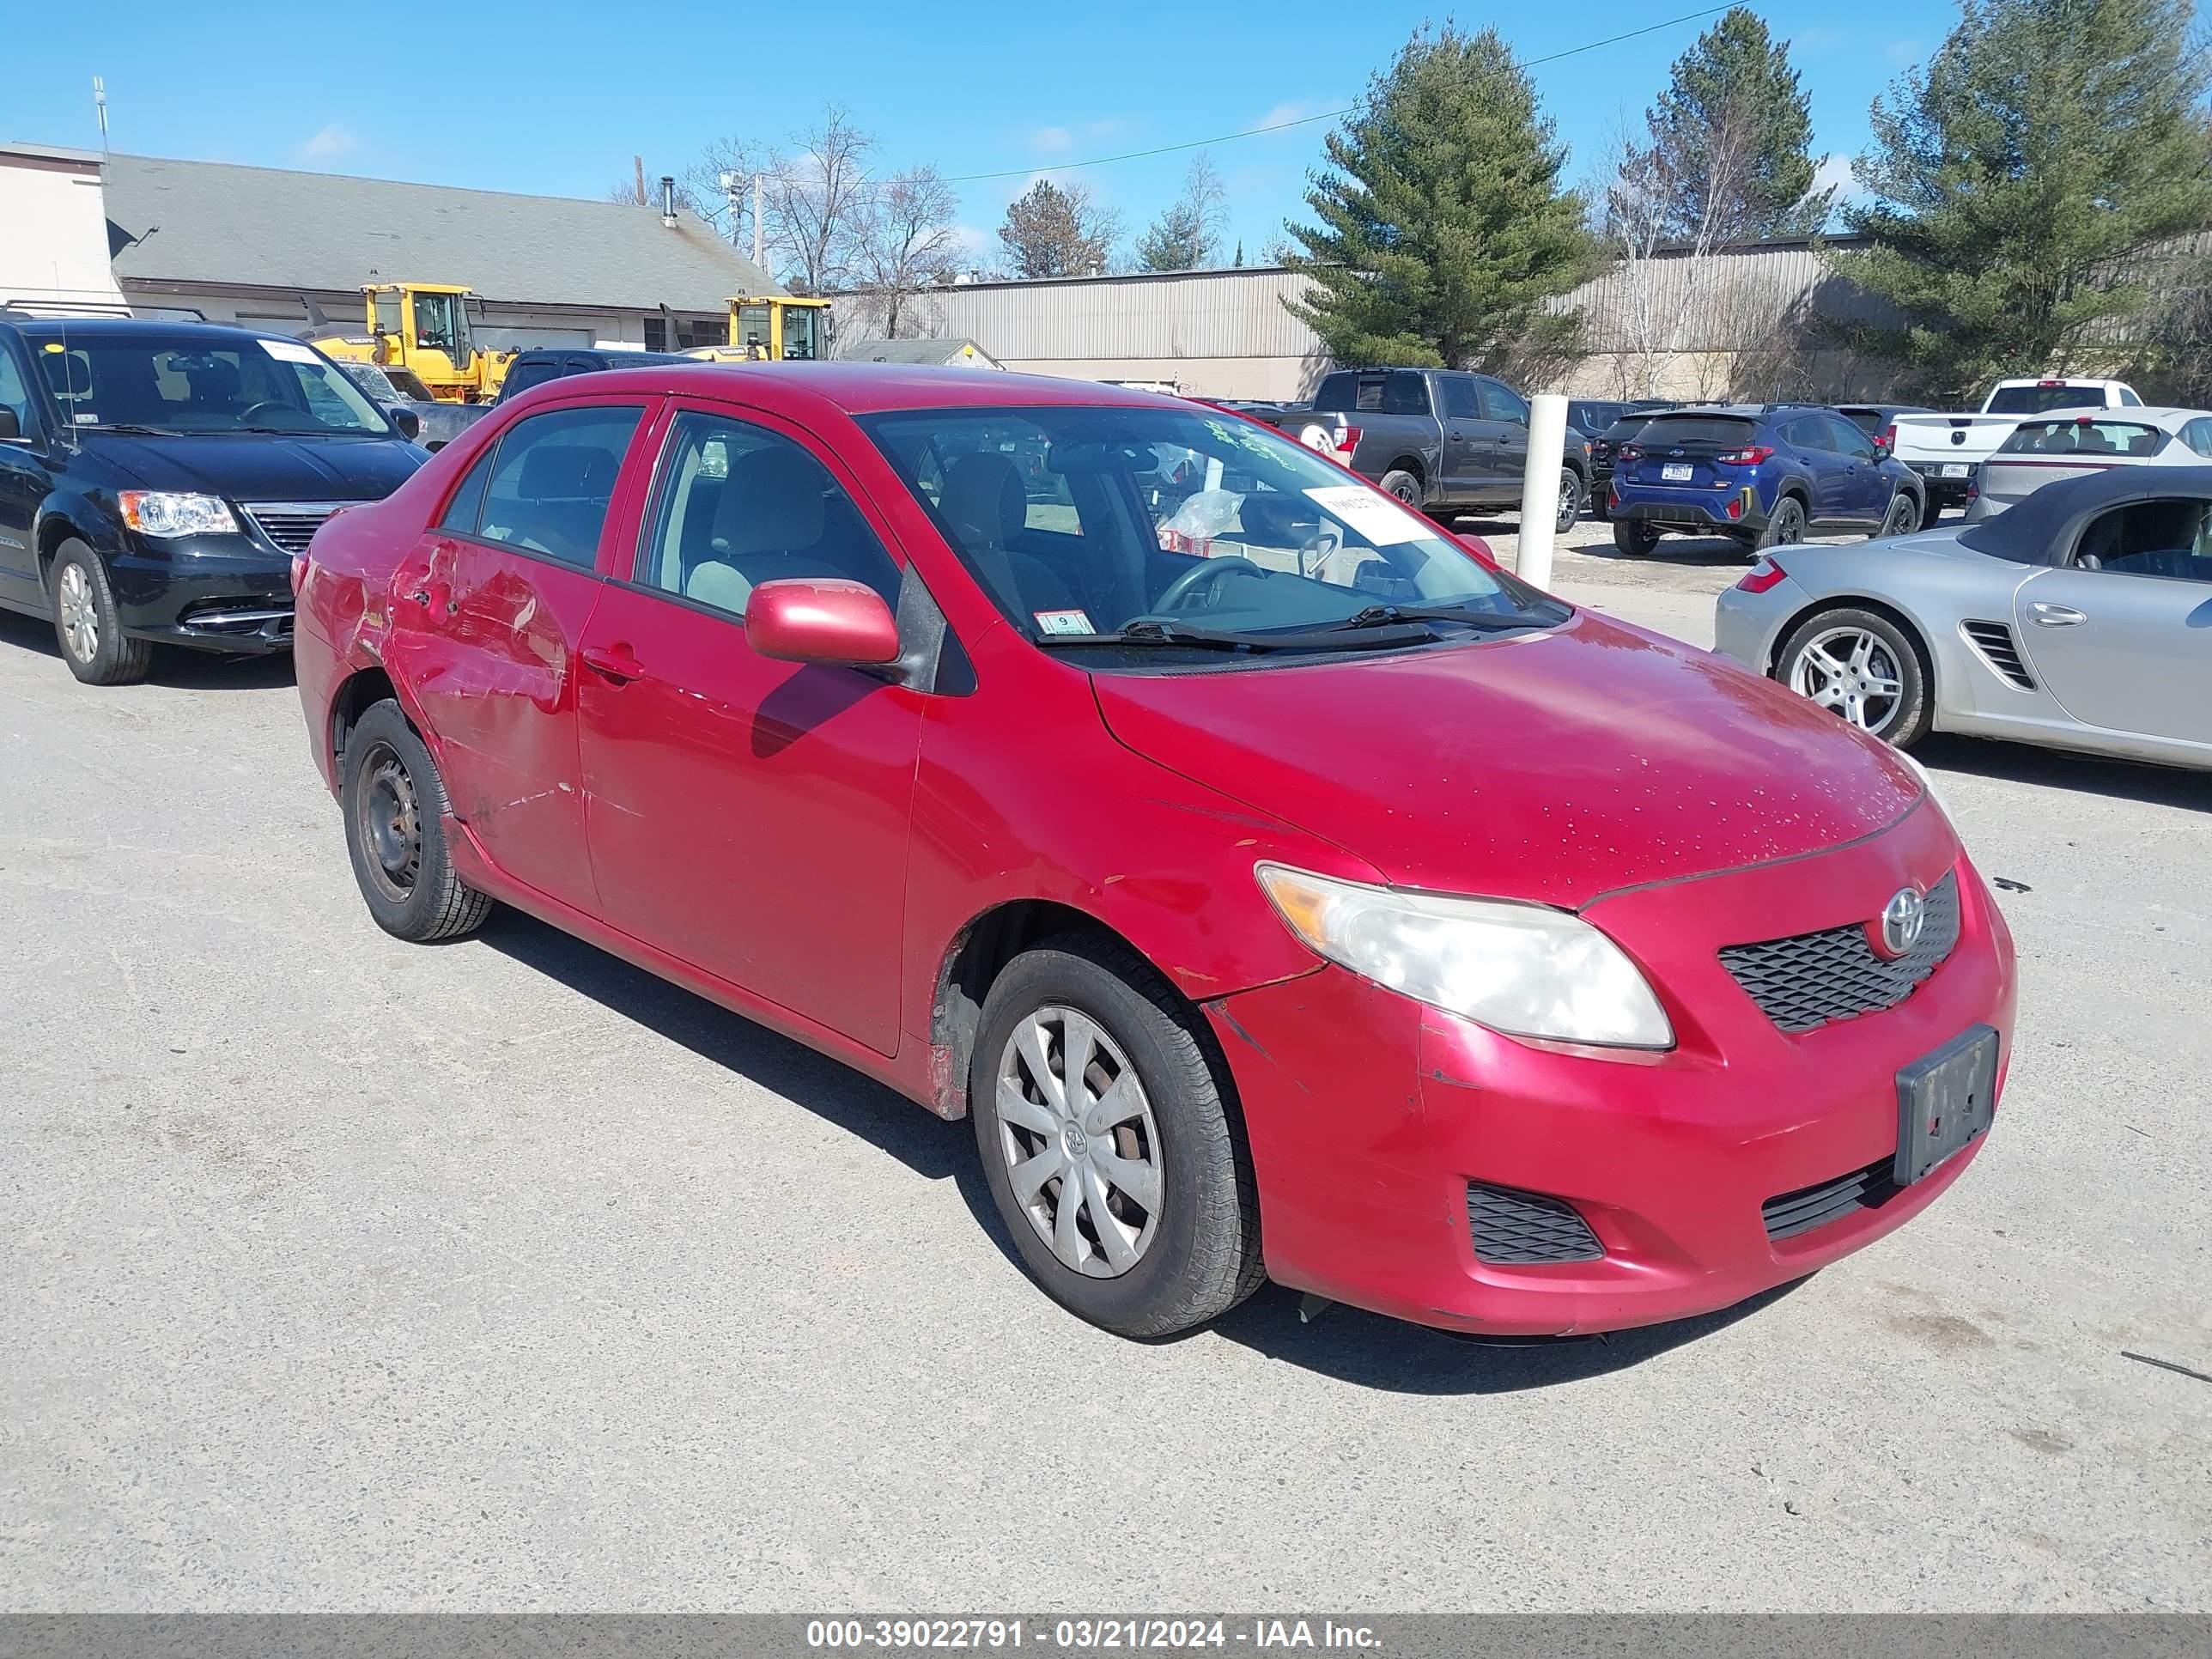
[[1381, 521], [288, 351], [1063, 621]]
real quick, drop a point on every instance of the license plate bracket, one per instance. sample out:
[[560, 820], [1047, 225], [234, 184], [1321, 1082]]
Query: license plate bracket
[[1945, 1101], [1674, 472]]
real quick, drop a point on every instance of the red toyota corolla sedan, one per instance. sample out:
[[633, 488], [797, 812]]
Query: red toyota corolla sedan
[[1283, 889]]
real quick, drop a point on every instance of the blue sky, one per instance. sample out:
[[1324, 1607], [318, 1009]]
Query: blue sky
[[555, 96]]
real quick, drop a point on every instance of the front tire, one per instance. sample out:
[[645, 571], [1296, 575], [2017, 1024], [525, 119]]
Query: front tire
[[87, 626], [1864, 668], [395, 813], [1637, 537], [1903, 517], [1130, 1196]]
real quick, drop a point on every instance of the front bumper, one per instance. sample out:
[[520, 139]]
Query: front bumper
[[210, 592], [1369, 1116]]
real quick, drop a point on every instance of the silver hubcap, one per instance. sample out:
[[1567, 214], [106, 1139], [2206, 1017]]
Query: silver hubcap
[[1082, 1149], [80, 616], [1571, 500], [1851, 672]]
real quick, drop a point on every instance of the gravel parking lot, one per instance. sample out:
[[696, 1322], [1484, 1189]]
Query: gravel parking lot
[[340, 1274]]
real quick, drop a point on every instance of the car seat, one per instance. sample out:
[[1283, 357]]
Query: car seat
[[768, 524], [985, 504]]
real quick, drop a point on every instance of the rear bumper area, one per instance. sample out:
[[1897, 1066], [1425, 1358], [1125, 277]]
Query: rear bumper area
[[1617, 1189], [209, 601], [1709, 511], [1942, 491]]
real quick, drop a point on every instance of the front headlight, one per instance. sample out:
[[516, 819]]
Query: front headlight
[[163, 513], [1928, 783], [1521, 969]]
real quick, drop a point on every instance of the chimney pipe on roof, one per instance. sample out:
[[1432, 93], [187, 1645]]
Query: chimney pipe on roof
[[668, 201]]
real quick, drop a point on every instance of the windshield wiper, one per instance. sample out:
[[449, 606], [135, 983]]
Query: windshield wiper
[[133, 427], [1387, 615], [1147, 632]]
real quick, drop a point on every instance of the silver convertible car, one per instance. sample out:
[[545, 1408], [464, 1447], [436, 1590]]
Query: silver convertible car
[[2081, 618]]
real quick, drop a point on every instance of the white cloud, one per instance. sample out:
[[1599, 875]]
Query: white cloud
[[1295, 109], [1835, 174], [1051, 141], [1819, 38], [332, 142]]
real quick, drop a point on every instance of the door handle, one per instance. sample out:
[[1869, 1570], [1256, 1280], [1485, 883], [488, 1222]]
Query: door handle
[[616, 663], [2056, 616]]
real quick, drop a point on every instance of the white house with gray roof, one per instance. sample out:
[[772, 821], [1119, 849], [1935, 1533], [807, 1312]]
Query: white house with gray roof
[[252, 244]]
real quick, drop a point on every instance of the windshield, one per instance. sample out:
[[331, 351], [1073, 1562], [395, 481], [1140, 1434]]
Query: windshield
[[2034, 399], [185, 383], [1086, 524], [372, 380]]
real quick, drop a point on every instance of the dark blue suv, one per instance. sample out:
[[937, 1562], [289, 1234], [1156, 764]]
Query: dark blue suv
[[1766, 474]]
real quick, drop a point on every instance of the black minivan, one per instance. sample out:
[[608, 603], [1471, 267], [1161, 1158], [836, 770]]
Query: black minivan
[[156, 478]]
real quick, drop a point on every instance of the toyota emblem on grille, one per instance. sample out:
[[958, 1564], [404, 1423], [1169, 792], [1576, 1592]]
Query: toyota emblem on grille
[[1902, 919]]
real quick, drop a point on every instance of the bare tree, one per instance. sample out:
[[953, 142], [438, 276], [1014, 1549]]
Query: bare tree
[[815, 198], [1187, 236], [1052, 231], [1665, 259], [906, 242]]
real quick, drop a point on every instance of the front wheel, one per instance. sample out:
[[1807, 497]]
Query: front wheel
[[1863, 667], [1903, 517], [1571, 500], [395, 815], [87, 624], [1110, 1151]]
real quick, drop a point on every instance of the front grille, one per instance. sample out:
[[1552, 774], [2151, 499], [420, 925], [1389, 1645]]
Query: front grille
[[1994, 641], [1806, 981], [1515, 1229], [1789, 1214], [290, 524]]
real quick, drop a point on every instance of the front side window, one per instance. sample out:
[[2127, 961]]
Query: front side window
[[1126, 525], [799, 324], [1502, 403], [2169, 539], [433, 320], [2083, 434], [14, 392], [195, 384], [552, 479], [737, 505], [1845, 439]]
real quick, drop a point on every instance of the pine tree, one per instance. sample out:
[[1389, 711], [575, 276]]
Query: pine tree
[[1733, 135], [1443, 227], [2018, 180], [1237, 263]]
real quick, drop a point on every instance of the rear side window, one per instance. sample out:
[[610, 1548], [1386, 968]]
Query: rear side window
[[2083, 436], [553, 478], [2129, 400], [1698, 431], [1809, 432], [2197, 435], [523, 376], [2035, 399], [463, 511], [1404, 392]]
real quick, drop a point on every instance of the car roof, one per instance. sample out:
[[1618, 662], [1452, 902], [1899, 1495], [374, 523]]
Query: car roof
[[873, 388], [2165, 418], [2030, 530], [95, 328]]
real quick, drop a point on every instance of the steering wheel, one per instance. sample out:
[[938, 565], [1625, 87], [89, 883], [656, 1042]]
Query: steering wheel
[[247, 416], [1206, 573]]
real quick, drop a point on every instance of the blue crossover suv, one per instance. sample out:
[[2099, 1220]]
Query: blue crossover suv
[[1766, 474]]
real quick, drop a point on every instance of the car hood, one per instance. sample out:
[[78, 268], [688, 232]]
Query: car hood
[[1552, 767], [253, 467]]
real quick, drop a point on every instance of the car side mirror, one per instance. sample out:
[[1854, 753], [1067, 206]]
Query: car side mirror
[[409, 423], [10, 428], [1882, 451], [821, 620]]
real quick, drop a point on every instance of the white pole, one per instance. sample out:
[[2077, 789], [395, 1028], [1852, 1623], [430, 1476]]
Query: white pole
[[760, 230], [1540, 487]]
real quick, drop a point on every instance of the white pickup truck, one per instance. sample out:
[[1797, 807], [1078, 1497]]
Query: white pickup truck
[[1945, 449]]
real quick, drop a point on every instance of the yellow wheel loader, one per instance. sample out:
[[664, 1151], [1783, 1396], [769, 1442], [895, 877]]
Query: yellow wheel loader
[[421, 326], [773, 328]]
